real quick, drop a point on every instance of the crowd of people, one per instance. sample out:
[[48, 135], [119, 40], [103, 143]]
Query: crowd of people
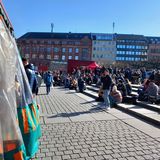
[[115, 83]]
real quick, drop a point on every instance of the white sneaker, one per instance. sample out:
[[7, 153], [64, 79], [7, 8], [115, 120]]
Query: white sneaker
[[108, 108]]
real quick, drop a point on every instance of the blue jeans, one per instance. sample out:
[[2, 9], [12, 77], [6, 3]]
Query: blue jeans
[[48, 88], [106, 93], [112, 101]]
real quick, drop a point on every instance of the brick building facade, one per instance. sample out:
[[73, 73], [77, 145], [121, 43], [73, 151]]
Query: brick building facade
[[53, 50], [154, 49]]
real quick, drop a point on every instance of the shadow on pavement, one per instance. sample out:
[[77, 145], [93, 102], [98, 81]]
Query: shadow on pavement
[[135, 107], [91, 102], [70, 92], [41, 94], [92, 110]]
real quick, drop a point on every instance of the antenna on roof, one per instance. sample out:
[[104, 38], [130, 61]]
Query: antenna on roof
[[52, 26], [113, 25]]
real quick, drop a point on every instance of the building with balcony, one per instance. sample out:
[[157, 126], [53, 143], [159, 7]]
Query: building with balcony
[[49, 50]]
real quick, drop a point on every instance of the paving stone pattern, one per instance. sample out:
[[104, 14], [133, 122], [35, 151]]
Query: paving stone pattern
[[89, 140], [61, 100]]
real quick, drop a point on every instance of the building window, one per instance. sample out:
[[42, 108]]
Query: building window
[[77, 43], [77, 50], [27, 41], [49, 42], [34, 41], [56, 42], [33, 56], [70, 50], [64, 42], [41, 56], [69, 57], [48, 56], [70, 43], [42, 42], [27, 49], [63, 58], [48, 50], [84, 43], [85, 50], [56, 57], [34, 49], [63, 50], [41, 49], [76, 57], [56, 49], [26, 55]]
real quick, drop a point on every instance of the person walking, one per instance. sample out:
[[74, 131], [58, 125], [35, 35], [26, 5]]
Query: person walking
[[39, 80], [106, 86], [48, 81]]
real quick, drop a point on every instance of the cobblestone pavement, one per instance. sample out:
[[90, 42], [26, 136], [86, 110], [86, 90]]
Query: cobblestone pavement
[[91, 136]]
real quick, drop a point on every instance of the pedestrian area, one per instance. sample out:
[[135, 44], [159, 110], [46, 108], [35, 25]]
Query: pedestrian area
[[75, 128]]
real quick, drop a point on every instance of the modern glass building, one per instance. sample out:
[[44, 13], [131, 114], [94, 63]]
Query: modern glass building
[[131, 48]]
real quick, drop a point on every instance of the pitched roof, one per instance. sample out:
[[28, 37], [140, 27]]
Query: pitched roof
[[130, 37], [56, 35]]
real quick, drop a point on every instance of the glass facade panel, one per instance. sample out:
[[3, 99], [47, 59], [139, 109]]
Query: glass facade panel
[[77, 50], [70, 50], [56, 49], [76, 57], [63, 58], [63, 50], [69, 57]]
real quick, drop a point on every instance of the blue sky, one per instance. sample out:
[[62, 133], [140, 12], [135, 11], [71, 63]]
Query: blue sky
[[130, 16]]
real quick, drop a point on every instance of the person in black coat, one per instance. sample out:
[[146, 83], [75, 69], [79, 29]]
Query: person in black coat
[[106, 86], [81, 84], [31, 75]]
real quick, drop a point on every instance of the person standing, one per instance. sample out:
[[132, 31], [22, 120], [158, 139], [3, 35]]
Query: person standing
[[48, 81], [106, 86], [29, 68], [39, 80]]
